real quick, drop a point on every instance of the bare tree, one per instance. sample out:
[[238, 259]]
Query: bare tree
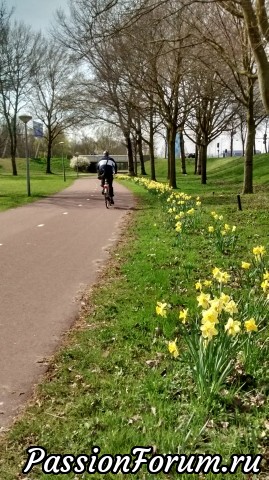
[[254, 13], [18, 60], [237, 73], [54, 94], [212, 115]]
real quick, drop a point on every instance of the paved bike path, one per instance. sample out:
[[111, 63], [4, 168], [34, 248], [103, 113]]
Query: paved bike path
[[50, 251]]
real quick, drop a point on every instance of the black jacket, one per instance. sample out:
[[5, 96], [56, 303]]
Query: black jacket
[[107, 166]]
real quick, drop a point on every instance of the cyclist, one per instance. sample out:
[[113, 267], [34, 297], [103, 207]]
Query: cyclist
[[106, 168]]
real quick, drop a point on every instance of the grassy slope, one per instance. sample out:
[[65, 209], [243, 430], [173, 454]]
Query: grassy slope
[[113, 384]]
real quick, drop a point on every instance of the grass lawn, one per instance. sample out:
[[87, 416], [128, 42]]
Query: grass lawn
[[114, 383], [13, 189]]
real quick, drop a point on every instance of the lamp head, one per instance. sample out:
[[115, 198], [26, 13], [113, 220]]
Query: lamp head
[[25, 118]]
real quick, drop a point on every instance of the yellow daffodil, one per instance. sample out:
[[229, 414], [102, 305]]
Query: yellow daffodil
[[198, 286], [207, 283], [178, 227], [245, 265], [215, 272], [208, 330], [224, 277], [265, 285], [250, 325], [203, 300], [224, 298], [231, 307], [233, 228], [266, 275], [259, 251], [183, 315], [161, 309], [220, 276], [198, 204], [227, 227], [191, 211], [216, 304], [211, 229], [210, 315], [232, 327], [172, 347]]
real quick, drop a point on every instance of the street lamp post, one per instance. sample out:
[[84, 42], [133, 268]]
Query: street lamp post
[[25, 119], [62, 144], [77, 154]]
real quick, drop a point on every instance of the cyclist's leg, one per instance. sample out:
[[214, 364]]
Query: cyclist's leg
[[111, 191], [102, 184], [110, 183]]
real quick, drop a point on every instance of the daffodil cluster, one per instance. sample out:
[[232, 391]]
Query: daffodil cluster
[[259, 252], [265, 283], [158, 188], [212, 337], [219, 312], [183, 210], [223, 234], [255, 271]]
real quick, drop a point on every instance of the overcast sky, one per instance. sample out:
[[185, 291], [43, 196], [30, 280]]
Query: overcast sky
[[37, 13]]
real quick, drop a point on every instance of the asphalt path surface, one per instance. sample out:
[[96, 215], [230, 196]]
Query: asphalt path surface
[[50, 253]]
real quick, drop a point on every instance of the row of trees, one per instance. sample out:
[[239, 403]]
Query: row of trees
[[35, 75], [179, 65]]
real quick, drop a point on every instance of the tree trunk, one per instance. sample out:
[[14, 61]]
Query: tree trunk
[[48, 169], [134, 150], [258, 49], [199, 160], [242, 139], [130, 154], [151, 150], [182, 152], [14, 166], [196, 159], [13, 145], [232, 143], [203, 163], [197, 164], [168, 155], [172, 131], [248, 168], [140, 152], [13, 148]]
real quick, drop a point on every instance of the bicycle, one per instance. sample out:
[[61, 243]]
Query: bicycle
[[108, 199]]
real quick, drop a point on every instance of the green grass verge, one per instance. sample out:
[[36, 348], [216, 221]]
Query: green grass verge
[[13, 189], [114, 384]]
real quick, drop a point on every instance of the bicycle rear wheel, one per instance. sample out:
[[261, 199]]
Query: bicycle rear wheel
[[107, 200]]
